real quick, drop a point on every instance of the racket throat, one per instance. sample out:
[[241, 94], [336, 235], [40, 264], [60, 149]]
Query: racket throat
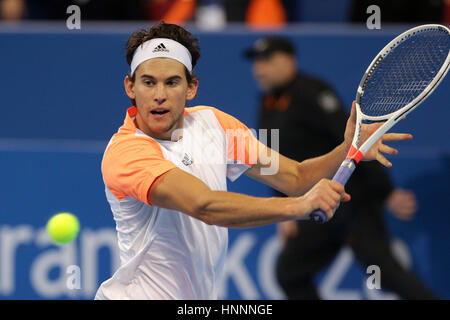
[[354, 154]]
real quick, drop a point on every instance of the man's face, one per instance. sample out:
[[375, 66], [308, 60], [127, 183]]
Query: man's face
[[160, 90], [275, 70]]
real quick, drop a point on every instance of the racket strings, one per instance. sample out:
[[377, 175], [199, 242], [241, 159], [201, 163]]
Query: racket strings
[[404, 72]]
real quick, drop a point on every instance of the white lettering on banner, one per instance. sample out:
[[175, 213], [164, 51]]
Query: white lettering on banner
[[236, 270], [250, 284], [266, 268], [401, 252], [61, 257], [10, 239], [91, 242], [50, 257], [328, 288]]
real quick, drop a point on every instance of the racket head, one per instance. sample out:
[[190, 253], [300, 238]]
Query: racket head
[[404, 73], [393, 85]]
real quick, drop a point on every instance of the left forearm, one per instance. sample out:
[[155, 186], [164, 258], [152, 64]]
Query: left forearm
[[312, 170], [295, 178]]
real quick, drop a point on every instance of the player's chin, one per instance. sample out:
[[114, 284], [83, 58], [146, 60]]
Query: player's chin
[[159, 127]]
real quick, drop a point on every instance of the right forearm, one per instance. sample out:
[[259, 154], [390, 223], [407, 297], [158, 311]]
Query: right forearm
[[234, 210], [180, 191]]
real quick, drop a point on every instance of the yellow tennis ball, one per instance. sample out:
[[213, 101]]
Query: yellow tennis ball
[[63, 227]]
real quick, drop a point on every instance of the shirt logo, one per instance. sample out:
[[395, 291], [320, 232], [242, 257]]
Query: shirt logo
[[160, 47], [187, 160]]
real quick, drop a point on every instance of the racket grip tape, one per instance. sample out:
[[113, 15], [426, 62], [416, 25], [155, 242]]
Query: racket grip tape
[[342, 175]]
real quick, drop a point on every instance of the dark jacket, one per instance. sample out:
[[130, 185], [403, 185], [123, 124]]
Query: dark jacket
[[312, 122]]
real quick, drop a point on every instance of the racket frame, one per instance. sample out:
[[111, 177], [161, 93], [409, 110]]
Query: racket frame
[[392, 118], [356, 152]]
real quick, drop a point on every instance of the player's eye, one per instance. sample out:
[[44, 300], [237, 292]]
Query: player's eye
[[148, 82], [172, 83]]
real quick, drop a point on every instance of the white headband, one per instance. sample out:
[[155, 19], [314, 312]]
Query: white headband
[[161, 48]]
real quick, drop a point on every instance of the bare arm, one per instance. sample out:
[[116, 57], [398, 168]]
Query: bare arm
[[179, 190], [294, 179]]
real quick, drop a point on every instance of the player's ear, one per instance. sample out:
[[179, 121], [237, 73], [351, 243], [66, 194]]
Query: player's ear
[[129, 87], [192, 89]]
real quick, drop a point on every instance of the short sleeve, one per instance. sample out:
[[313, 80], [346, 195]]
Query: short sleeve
[[243, 148], [131, 166]]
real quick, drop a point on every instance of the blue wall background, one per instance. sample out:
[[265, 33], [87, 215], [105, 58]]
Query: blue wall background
[[62, 98]]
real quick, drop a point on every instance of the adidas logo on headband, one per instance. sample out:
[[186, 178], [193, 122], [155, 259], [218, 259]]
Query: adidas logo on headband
[[160, 47]]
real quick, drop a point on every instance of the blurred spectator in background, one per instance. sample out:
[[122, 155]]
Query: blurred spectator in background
[[236, 10], [323, 11], [337, 11], [402, 11], [256, 13], [311, 121], [178, 11], [12, 9], [90, 9], [214, 14], [208, 14], [446, 12], [265, 13], [171, 11], [211, 14]]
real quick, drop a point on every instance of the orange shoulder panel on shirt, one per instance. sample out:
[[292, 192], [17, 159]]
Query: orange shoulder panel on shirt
[[243, 146], [131, 165]]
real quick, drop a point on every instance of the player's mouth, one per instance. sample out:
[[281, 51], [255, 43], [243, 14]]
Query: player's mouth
[[159, 113]]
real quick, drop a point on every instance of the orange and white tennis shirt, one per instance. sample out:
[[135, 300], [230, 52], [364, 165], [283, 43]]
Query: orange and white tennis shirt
[[166, 254]]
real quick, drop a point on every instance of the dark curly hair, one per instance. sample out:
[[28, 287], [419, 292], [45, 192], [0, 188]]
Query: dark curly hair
[[165, 30]]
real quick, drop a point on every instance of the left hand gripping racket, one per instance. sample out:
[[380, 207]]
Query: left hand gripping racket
[[398, 80]]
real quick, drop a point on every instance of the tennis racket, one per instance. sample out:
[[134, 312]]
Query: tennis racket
[[397, 81]]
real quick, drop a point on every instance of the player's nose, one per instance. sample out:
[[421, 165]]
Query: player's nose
[[160, 95]]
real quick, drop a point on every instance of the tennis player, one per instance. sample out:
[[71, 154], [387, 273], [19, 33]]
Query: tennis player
[[165, 174]]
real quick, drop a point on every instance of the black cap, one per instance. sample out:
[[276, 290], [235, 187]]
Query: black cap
[[264, 47]]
